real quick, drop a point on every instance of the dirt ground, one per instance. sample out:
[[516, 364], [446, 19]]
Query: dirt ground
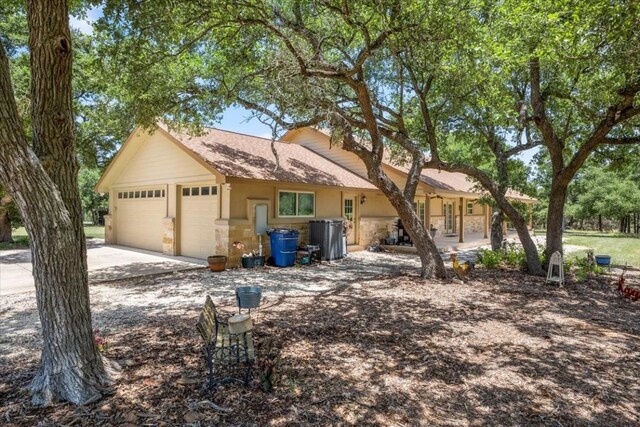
[[379, 347]]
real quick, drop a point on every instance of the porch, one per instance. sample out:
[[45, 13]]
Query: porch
[[450, 242]]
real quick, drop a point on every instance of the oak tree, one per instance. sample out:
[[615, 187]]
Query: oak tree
[[42, 179]]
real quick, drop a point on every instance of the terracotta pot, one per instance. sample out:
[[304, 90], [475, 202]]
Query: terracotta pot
[[217, 262]]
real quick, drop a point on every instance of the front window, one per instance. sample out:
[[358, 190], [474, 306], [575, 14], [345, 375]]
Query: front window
[[469, 208], [296, 203]]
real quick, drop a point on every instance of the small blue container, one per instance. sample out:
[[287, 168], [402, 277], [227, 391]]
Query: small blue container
[[603, 260]]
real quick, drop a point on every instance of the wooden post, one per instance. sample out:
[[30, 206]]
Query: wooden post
[[462, 212], [530, 216]]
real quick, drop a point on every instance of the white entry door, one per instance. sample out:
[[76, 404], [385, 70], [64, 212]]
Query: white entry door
[[448, 218], [349, 212]]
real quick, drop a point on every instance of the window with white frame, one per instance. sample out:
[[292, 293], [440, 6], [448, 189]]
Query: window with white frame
[[469, 208], [296, 203], [140, 194], [207, 190]]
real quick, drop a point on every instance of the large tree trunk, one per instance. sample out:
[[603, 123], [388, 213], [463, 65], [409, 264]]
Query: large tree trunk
[[46, 193], [5, 219], [555, 213], [430, 259], [496, 230], [534, 266], [5, 226]]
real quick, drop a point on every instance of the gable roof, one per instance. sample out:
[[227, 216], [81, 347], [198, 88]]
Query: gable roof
[[250, 157], [438, 179], [237, 155]]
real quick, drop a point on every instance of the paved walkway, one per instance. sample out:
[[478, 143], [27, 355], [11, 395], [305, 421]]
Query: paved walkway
[[104, 262]]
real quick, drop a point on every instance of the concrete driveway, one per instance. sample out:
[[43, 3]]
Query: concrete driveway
[[105, 263]]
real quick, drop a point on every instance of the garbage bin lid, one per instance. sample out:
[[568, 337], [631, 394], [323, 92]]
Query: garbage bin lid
[[285, 231], [327, 220]]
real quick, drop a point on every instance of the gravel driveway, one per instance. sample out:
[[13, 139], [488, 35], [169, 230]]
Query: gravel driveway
[[124, 302]]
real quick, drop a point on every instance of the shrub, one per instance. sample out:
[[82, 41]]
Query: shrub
[[585, 267], [489, 258], [514, 256]]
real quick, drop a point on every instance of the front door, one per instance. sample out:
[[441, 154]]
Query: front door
[[349, 212], [448, 218]]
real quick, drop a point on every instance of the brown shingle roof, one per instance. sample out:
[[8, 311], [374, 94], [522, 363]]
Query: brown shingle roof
[[438, 179], [243, 156], [459, 182]]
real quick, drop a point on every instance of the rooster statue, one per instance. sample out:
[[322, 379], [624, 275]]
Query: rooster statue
[[462, 270]]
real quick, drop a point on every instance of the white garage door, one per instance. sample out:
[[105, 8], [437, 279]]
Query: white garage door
[[139, 218], [198, 212]]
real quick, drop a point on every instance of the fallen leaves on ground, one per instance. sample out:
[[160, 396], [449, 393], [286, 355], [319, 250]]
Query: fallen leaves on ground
[[501, 348]]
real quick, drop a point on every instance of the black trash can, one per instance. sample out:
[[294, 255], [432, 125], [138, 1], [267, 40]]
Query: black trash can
[[328, 233]]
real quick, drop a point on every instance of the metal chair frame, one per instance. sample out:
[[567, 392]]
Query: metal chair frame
[[222, 348]]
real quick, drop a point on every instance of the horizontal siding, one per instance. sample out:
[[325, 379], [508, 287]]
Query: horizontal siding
[[159, 160], [319, 143]]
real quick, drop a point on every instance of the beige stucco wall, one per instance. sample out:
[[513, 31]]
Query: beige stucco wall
[[154, 161], [244, 195]]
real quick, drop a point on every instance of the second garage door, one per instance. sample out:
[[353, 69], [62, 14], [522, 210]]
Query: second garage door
[[139, 217], [198, 212]]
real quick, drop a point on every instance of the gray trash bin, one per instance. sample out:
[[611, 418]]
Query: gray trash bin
[[328, 234]]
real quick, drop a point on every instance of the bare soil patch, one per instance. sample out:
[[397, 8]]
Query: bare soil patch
[[375, 349]]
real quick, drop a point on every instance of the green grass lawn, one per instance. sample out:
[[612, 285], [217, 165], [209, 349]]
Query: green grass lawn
[[622, 248], [22, 240]]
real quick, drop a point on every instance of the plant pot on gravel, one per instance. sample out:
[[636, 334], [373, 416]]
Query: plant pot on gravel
[[603, 260], [252, 261], [217, 262]]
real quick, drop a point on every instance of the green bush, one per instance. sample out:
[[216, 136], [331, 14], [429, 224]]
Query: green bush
[[583, 267], [514, 256], [489, 258]]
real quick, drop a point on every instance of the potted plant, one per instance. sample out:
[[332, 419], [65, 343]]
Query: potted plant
[[250, 259], [217, 262]]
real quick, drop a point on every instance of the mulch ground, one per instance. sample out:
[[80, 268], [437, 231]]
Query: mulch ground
[[499, 349]]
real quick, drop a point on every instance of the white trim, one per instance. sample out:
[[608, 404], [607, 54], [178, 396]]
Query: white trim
[[313, 193]]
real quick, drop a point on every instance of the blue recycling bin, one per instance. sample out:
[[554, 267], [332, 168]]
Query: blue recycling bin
[[284, 246]]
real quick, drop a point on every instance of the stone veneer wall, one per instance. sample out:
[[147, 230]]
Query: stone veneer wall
[[438, 222], [108, 230], [169, 235], [229, 231], [375, 228], [472, 223]]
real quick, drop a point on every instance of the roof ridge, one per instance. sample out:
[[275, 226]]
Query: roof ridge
[[243, 134]]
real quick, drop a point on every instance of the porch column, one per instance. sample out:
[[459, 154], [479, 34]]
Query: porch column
[[225, 200], [486, 220], [462, 212], [530, 206], [427, 213]]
